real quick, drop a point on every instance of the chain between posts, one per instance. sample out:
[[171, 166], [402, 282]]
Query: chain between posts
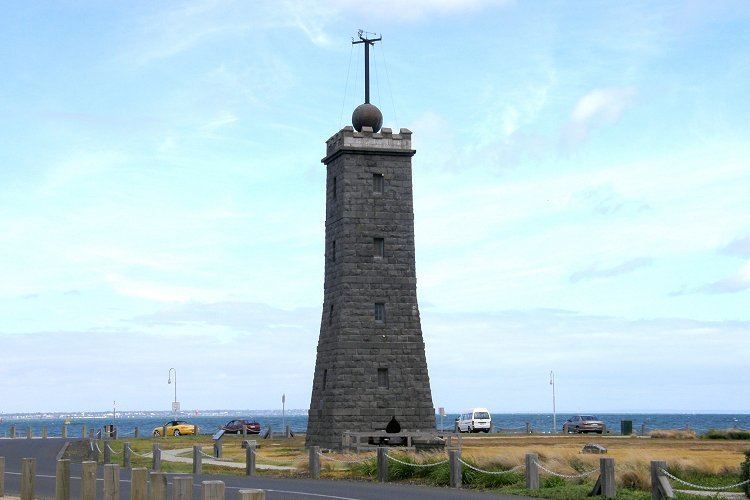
[[497, 473], [332, 459], [567, 476], [113, 451], [704, 488], [142, 455], [416, 465]]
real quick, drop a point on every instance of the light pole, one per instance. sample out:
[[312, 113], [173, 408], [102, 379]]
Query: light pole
[[175, 404], [554, 410]]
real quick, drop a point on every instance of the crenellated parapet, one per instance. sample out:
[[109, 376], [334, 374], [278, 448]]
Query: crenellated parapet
[[385, 140]]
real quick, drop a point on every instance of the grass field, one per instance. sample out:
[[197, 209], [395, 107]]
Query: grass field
[[703, 461]]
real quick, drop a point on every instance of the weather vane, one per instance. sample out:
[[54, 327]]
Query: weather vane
[[363, 39]]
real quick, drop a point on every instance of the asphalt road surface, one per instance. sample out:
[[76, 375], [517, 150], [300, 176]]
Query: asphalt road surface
[[45, 452]]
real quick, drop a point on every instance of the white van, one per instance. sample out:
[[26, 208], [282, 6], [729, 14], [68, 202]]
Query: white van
[[476, 420]]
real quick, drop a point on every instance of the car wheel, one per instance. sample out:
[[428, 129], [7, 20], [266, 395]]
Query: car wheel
[[157, 433], [486, 431], [577, 430], [599, 432], [176, 432]]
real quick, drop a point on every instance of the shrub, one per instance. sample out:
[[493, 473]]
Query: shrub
[[553, 482], [745, 473], [635, 480], [673, 434], [727, 434]]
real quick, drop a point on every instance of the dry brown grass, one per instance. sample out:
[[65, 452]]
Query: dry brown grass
[[632, 455], [673, 434], [559, 453]]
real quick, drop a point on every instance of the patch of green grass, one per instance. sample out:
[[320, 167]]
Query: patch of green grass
[[699, 477]]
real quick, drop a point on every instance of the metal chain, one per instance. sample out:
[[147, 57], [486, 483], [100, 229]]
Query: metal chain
[[498, 472], [332, 459], [416, 465], [567, 476], [704, 488], [113, 451]]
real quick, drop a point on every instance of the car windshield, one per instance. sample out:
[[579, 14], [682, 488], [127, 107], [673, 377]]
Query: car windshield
[[588, 417], [481, 415], [178, 422]]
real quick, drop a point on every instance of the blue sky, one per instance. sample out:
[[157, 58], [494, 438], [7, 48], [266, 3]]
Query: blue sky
[[581, 183]]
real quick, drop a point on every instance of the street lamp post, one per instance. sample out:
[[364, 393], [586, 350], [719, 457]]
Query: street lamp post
[[554, 410], [175, 404]]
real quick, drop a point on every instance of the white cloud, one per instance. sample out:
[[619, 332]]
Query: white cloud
[[415, 10], [597, 107], [160, 292]]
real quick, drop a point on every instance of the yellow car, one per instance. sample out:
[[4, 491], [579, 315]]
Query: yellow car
[[175, 428]]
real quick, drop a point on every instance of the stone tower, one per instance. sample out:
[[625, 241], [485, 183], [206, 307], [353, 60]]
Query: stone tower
[[371, 362]]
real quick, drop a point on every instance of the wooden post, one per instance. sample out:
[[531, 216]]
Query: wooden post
[[163, 431], [88, 480], [126, 455], [156, 460], [139, 483], [29, 433], [62, 480], [28, 474], [64, 432], [197, 460], [528, 427], [251, 495], [660, 487], [107, 453], [111, 482], [250, 460], [244, 432], [2, 477], [212, 490], [313, 463], [288, 431], [197, 429], [456, 471], [44, 432], [136, 433], [217, 449], [382, 464], [83, 431], [182, 488], [607, 476], [12, 431], [532, 471], [158, 486]]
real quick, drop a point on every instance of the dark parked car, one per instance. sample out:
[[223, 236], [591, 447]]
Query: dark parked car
[[235, 427], [583, 423]]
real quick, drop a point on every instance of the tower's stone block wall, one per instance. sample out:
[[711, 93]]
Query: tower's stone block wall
[[369, 369]]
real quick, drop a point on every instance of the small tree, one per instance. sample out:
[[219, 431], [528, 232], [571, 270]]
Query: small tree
[[745, 473]]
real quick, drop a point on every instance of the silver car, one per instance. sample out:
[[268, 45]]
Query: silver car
[[583, 423]]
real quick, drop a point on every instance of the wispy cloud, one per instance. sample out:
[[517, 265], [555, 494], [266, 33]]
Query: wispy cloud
[[597, 107], [595, 272], [739, 247], [738, 282]]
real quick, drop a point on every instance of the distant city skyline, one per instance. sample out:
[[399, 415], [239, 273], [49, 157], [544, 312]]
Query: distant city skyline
[[581, 195]]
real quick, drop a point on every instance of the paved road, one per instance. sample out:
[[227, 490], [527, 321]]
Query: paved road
[[45, 452]]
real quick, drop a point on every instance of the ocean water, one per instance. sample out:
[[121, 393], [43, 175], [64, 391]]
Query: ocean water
[[540, 423]]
